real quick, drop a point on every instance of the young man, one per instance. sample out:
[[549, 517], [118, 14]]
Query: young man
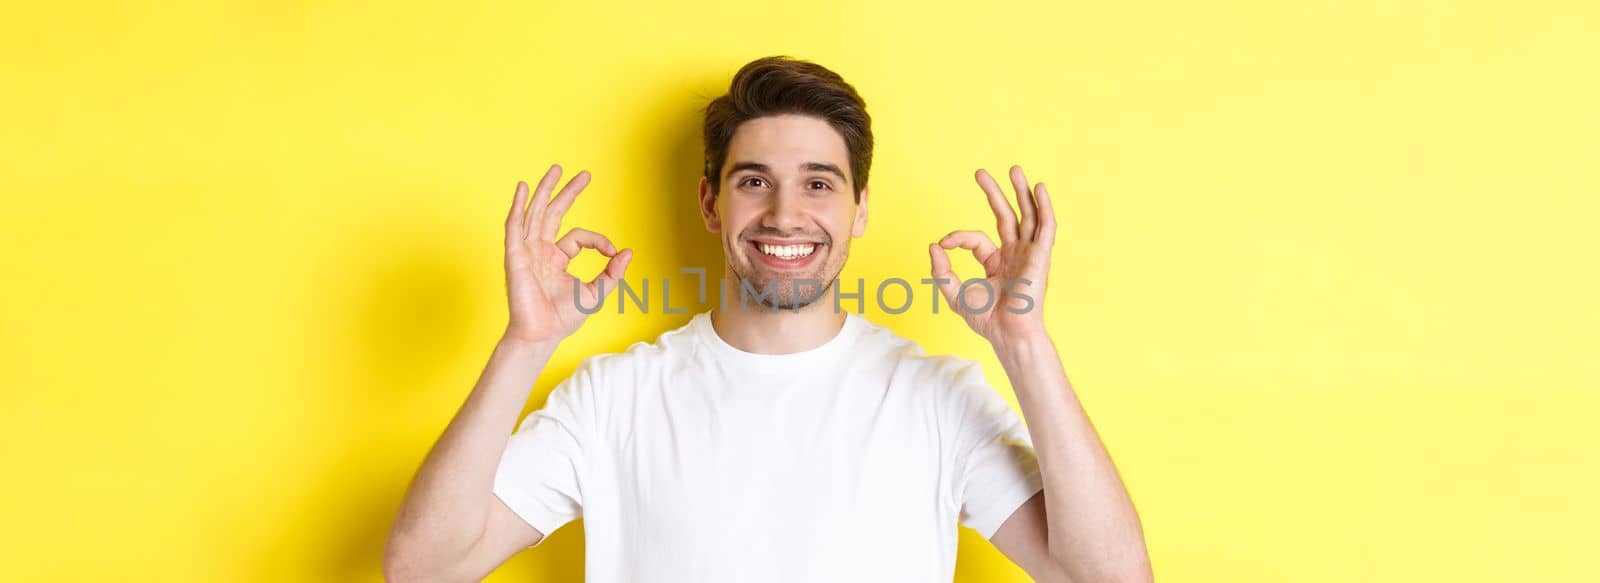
[[785, 441]]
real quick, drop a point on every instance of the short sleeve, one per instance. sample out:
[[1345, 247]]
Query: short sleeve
[[996, 469], [540, 476]]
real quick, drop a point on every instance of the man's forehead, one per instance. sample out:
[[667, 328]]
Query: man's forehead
[[787, 142]]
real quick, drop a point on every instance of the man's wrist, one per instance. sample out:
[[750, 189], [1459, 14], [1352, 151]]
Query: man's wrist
[[524, 347], [1023, 345]]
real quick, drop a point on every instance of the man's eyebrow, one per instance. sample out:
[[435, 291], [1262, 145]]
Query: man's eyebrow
[[756, 166], [808, 166], [823, 167]]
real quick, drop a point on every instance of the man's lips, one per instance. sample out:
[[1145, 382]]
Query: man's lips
[[774, 241], [781, 254]]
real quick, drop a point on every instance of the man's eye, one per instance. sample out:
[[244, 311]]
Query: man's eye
[[819, 184], [752, 180]]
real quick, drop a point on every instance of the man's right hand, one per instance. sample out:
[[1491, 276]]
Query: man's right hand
[[451, 526], [544, 308]]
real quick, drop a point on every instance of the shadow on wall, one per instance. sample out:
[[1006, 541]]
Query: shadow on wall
[[401, 350]]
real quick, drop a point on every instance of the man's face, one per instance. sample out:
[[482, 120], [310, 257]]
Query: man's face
[[787, 210]]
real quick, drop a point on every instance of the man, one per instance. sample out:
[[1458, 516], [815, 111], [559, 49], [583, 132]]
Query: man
[[786, 441]]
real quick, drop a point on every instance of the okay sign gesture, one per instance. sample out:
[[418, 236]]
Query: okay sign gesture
[[543, 296], [1010, 305]]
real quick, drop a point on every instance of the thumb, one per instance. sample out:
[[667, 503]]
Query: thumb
[[950, 283], [607, 280]]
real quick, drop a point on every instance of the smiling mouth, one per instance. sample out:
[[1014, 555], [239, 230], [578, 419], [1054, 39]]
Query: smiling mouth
[[788, 251], [785, 255]]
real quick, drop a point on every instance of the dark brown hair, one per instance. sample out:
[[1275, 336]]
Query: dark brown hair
[[778, 85]]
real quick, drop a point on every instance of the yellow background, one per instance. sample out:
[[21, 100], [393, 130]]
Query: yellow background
[[1325, 282]]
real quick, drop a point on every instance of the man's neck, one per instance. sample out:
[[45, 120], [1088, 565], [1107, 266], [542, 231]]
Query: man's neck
[[760, 329]]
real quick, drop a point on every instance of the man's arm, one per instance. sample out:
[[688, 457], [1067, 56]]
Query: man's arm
[[451, 526], [1083, 526], [1090, 527]]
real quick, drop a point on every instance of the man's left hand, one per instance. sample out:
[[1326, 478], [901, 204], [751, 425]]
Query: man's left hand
[[1010, 307]]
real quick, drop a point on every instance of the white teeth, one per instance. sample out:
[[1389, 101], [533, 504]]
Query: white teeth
[[787, 251]]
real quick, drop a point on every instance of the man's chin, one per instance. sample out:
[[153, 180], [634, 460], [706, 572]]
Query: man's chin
[[787, 292]]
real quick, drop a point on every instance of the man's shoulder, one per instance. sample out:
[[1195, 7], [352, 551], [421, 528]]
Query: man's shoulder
[[909, 357], [642, 354]]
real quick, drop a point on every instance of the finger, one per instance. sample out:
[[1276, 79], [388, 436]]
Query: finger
[[1005, 221], [1047, 217], [946, 278], [1027, 227], [974, 241], [540, 196], [577, 239], [613, 272], [514, 218], [551, 221]]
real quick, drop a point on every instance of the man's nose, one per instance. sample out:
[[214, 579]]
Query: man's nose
[[785, 213]]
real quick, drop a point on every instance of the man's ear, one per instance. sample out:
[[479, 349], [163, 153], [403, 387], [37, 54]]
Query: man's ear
[[861, 215], [708, 207]]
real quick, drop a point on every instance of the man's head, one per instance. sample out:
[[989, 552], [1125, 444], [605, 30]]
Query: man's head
[[785, 185]]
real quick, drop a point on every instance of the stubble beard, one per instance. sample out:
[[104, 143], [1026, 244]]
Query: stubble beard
[[794, 292]]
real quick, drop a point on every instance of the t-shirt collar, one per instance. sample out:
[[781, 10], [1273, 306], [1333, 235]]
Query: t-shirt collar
[[823, 355]]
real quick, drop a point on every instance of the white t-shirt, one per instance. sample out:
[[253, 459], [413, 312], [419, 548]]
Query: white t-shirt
[[691, 460]]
